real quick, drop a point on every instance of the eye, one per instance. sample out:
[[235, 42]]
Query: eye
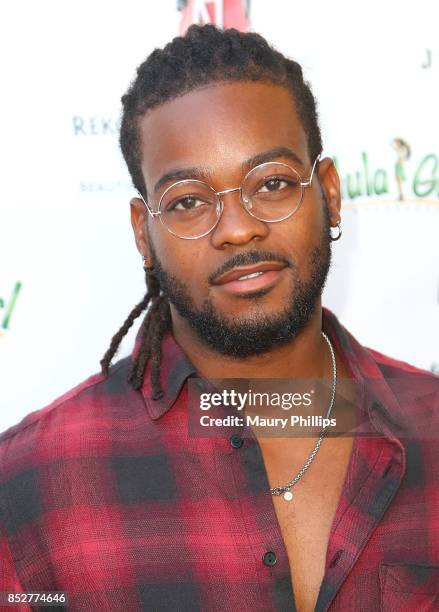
[[185, 204], [276, 184]]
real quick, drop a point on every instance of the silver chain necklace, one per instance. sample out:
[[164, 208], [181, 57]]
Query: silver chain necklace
[[286, 489]]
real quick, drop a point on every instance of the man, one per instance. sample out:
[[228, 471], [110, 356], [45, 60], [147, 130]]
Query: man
[[108, 496]]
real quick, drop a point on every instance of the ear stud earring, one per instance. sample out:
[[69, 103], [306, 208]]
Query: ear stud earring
[[147, 263]]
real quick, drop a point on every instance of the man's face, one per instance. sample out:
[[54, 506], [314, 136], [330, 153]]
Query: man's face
[[215, 130]]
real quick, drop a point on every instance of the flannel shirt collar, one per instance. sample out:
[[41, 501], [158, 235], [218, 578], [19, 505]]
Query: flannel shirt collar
[[379, 407], [174, 371], [379, 403]]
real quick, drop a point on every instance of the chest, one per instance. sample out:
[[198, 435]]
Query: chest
[[305, 524]]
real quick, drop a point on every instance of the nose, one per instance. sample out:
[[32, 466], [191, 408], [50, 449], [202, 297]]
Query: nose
[[236, 226]]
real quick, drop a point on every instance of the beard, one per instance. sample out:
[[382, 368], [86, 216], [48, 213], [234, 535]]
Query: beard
[[257, 332]]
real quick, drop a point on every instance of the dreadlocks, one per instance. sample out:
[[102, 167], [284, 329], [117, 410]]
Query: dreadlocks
[[203, 56], [156, 322]]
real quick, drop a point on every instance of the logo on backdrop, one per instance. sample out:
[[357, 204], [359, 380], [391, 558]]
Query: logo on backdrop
[[7, 307], [403, 154], [95, 126], [222, 13], [418, 178], [428, 60]]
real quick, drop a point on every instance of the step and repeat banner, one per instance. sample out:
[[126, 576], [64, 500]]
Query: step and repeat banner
[[69, 269]]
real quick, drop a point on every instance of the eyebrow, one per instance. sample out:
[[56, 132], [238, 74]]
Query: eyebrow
[[203, 174]]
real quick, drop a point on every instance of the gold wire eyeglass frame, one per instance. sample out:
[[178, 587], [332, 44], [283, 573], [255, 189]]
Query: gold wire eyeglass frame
[[220, 204]]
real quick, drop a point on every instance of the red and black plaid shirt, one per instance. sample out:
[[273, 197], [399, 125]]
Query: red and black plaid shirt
[[106, 496]]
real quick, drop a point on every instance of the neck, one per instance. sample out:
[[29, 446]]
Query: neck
[[305, 356]]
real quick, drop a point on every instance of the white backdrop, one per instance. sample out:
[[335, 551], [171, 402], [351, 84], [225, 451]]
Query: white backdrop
[[70, 272]]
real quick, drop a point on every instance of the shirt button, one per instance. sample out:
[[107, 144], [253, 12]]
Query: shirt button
[[236, 441], [269, 558]]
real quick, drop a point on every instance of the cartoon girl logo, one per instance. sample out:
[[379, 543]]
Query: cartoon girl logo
[[402, 149]]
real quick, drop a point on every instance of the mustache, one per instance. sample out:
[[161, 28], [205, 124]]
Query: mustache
[[248, 258]]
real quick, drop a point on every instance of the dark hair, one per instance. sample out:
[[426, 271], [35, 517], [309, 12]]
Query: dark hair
[[204, 55]]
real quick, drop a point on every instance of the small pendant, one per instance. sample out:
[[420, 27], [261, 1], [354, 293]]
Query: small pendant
[[288, 496]]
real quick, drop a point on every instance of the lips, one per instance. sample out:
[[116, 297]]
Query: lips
[[250, 279], [237, 273]]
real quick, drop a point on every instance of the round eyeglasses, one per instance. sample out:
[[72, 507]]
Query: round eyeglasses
[[270, 192]]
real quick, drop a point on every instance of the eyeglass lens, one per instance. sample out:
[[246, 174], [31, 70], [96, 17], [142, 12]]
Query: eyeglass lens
[[270, 192]]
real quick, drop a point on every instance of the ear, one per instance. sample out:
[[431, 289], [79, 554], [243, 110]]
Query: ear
[[139, 220], [330, 183]]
